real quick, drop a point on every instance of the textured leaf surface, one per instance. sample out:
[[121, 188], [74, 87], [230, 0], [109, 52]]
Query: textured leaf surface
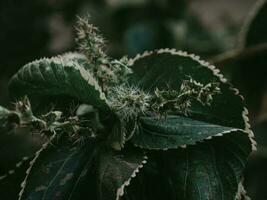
[[63, 75], [60, 172], [167, 69], [115, 171], [174, 131], [206, 171], [211, 170]]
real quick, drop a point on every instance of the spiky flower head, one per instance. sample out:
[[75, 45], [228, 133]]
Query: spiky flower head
[[166, 101], [90, 41], [128, 101], [203, 93]]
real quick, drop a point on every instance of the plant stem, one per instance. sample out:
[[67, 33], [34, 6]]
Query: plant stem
[[238, 54]]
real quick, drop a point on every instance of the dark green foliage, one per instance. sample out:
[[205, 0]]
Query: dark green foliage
[[253, 67], [174, 132], [127, 113]]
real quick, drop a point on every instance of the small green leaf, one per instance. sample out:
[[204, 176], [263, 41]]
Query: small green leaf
[[211, 170], [59, 171], [63, 75], [174, 132], [115, 171]]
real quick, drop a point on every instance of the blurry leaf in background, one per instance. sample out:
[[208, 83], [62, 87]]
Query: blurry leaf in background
[[146, 25], [251, 74]]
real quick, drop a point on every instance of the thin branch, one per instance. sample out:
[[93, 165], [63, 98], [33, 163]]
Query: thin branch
[[238, 54]]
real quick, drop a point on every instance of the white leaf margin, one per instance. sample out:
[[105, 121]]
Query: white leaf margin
[[37, 154], [241, 192], [120, 190], [216, 72], [68, 60]]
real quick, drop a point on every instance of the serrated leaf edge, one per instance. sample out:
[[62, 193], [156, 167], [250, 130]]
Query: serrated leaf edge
[[241, 193], [66, 57], [186, 145], [216, 72], [120, 190], [37, 154]]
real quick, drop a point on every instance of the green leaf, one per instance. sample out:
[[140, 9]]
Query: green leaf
[[174, 132], [211, 170], [167, 69], [60, 171], [62, 75], [115, 171]]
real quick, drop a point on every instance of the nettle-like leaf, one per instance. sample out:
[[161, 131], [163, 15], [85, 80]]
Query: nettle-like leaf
[[59, 171], [201, 170], [167, 69], [62, 75], [208, 170]]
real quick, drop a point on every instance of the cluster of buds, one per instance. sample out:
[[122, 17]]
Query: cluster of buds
[[202, 93], [166, 101], [91, 43]]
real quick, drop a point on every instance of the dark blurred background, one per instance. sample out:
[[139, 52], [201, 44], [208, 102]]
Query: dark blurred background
[[31, 29]]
